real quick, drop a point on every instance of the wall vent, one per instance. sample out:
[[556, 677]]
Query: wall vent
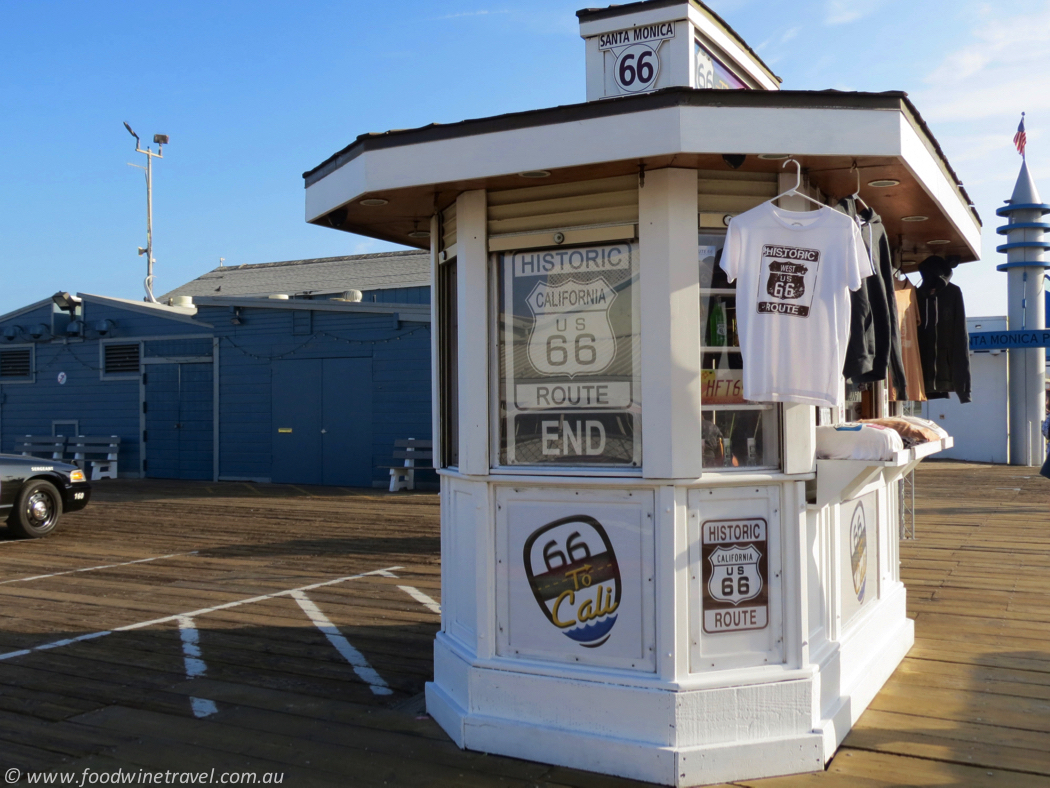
[[16, 363], [121, 358]]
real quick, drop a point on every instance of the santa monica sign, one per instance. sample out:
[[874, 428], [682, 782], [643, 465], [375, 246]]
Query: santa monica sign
[[1005, 340]]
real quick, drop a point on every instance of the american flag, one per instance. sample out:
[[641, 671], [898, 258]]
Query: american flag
[[1020, 138]]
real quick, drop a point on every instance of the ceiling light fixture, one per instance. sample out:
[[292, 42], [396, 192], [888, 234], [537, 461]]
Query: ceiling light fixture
[[534, 174], [915, 218], [419, 234], [884, 183], [774, 156], [373, 202], [938, 242]]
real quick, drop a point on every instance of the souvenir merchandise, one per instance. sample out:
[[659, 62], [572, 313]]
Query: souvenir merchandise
[[944, 343], [933, 426], [794, 271], [857, 442], [912, 434], [888, 356], [914, 389]]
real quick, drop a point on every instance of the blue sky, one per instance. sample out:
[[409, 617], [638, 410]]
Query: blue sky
[[254, 94]]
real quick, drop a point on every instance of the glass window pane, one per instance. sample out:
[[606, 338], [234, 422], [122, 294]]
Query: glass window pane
[[736, 433], [569, 386]]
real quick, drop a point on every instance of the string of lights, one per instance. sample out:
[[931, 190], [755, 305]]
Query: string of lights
[[64, 350], [319, 334]]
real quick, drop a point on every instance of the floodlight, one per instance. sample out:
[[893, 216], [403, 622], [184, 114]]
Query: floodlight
[[160, 139], [65, 301]]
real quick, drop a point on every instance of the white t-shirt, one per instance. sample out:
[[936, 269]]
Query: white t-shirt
[[794, 271]]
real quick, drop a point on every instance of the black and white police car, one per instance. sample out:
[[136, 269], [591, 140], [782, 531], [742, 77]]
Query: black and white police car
[[34, 493]]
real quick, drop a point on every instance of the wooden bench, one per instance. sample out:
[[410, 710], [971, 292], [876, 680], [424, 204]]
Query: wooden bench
[[50, 447], [411, 451], [96, 455]]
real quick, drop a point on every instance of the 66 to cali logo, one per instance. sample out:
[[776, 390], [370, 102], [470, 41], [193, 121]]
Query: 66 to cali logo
[[637, 67], [572, 569]]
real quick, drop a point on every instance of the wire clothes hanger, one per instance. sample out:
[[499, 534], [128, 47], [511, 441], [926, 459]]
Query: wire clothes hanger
[[794, 190], [856, 195]]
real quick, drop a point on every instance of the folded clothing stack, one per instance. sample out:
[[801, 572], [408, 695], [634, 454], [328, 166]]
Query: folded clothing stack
[[858, 442], [913, 431]]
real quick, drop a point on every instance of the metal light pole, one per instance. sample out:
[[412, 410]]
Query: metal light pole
[[161, 140]]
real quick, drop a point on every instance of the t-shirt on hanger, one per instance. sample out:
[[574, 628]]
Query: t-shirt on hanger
[[794, 271]]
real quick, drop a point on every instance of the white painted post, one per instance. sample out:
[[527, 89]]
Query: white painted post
[[435, 353], [472, 279], [670, 321]]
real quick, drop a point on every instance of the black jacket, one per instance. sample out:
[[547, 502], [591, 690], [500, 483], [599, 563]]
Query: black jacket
[[944, 343], [874, 346]]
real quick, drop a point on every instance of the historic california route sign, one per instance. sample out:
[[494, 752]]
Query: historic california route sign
[[735, 557]]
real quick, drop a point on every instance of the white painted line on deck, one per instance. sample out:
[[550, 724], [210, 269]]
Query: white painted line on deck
[[191, 648], [195, 667], [422, 598], [361, 667], [202, 707], [95, 568], [193, 613]]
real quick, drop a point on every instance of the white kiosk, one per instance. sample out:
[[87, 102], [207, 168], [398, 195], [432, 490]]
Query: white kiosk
[[643, 574]]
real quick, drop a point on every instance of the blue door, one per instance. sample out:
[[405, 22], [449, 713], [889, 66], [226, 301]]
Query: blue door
[[179, 421], [322, 421], [296, 387]]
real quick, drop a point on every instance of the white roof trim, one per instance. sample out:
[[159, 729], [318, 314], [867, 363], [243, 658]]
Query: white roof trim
[[802, 131], [180, 314]]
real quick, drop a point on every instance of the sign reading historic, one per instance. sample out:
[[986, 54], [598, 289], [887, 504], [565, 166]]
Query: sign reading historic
[[569, 356], [786, 270], [735, 558]]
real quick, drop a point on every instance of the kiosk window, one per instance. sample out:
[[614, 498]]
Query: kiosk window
[[736, 433], [569, 372], [448, 358]]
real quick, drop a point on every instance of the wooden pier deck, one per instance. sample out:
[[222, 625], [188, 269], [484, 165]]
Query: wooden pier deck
[[276, 630]]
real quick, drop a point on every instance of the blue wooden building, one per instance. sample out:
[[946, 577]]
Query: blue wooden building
[[302, 372], [83, 371]]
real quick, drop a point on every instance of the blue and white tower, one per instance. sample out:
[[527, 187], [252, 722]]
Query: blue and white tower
[[1025, 250]]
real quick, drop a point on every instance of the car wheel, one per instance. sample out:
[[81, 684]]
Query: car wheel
[[36, 511]]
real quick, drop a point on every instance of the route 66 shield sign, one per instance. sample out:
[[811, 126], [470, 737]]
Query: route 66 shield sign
[[786, 280], [735, 576], [571, 334], [572, 569]]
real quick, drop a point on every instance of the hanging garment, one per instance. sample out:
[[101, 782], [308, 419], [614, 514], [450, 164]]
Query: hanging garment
[[794, 271], [887, 332], [874, 348], [907, 300], [944, 343]]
